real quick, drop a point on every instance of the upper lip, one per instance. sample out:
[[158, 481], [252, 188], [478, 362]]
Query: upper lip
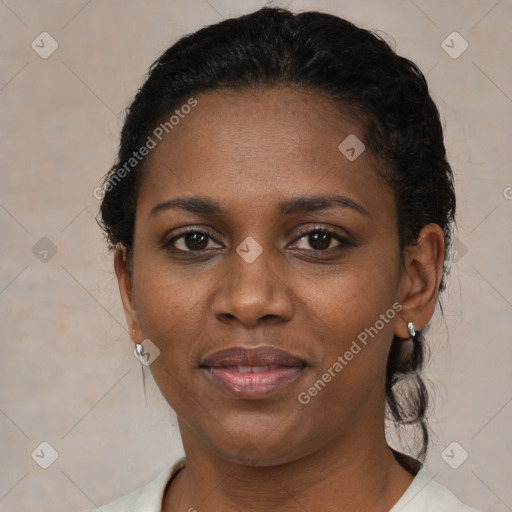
[[260, 356]]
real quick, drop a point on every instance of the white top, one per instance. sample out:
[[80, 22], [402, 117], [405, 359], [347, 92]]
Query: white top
[[423, 495]]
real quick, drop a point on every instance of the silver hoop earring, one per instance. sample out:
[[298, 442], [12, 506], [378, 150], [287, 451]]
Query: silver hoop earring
[[412, 331]]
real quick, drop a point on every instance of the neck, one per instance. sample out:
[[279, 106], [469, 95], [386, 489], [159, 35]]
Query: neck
[[349, 475]]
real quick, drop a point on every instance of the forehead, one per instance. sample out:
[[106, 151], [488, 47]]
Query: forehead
[[257, 145]]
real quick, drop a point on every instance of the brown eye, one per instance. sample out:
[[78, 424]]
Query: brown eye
[[195, 241], [192, 241], [320, 240]]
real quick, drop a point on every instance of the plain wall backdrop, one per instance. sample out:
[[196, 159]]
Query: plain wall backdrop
[[68, 374]]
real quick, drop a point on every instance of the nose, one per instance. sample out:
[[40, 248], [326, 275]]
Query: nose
[[253, 292]]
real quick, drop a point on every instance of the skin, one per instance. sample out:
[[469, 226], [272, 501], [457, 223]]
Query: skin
[[248, 151]]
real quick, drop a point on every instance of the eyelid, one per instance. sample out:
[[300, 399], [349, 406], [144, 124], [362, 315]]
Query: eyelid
[[324, 229], [194, 229]]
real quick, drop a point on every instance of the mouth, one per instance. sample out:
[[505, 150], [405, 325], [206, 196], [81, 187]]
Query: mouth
[[252, 373]]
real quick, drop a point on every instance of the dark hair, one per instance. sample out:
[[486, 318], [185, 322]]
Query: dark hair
[[332, 57]]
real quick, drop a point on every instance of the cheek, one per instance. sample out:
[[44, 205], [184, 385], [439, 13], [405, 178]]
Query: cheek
[[348, 379], [169, 309], [352, 298], [356, 311], [166, 298]]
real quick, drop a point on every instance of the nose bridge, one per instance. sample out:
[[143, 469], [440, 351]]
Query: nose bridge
[[252, 289]]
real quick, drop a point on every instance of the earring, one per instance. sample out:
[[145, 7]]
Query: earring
[[412, 331], [139, 351]]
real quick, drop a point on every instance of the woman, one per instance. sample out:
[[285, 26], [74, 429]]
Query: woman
[[281, 213]]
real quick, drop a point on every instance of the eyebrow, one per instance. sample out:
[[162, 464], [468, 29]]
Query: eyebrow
[[205, 206]]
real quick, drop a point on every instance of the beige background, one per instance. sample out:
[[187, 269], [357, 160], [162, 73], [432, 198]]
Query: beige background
[[67, 371]]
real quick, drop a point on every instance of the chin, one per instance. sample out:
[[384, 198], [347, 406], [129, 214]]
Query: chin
[[260, 447]]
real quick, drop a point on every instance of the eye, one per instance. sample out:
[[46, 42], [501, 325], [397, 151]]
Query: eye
[[192, 241], [321, 239], [318, 239]]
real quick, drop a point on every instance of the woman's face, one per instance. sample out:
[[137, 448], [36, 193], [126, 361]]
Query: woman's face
[[292, 247]]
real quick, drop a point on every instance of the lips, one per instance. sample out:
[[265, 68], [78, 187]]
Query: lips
[[252, 373], [262, 356]]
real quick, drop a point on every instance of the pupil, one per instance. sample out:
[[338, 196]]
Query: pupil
[[320, 240], [196, 241]]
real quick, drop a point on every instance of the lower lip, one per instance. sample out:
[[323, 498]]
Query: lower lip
[[254, 385]]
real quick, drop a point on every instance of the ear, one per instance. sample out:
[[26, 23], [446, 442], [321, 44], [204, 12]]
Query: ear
[[420, 280], [124, 281]]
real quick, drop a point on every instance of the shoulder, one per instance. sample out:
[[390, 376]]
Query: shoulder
[[147, 498], [426, 495]]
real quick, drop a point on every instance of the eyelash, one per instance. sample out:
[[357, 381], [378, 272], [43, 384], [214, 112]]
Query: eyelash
[[342, 241]]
